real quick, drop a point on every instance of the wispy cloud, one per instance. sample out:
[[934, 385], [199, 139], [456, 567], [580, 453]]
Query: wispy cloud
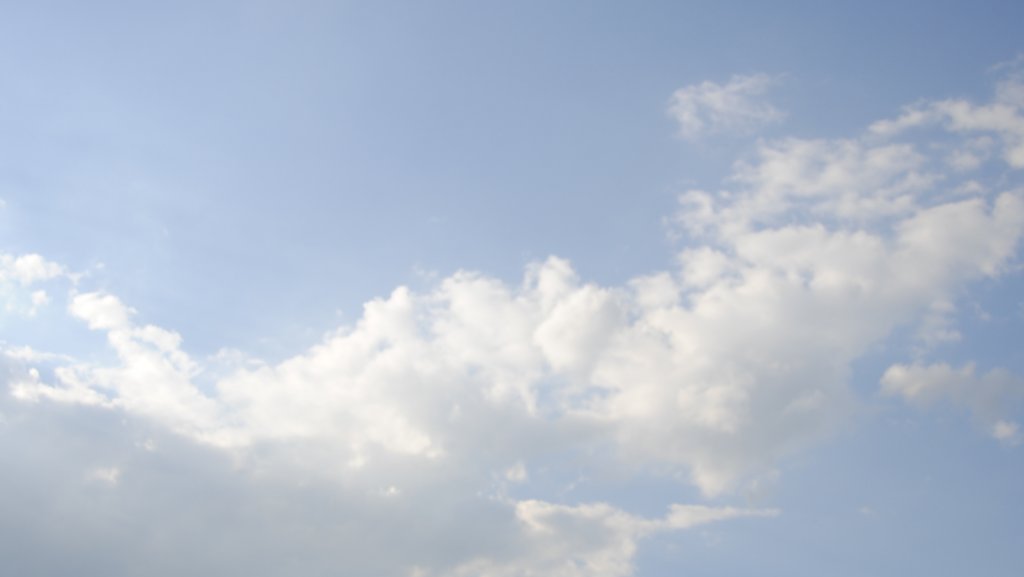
[[990, 397], [736, 106]]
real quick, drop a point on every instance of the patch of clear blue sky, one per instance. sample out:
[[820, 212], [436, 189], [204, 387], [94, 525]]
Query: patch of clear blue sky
[[245, 169]]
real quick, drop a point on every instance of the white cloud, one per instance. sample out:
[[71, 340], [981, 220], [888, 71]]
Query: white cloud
[[39, 299], [815, 252], [104, 475], [101, 311], [719, 377], [972, 155], [154, 377], [1007, 432], [517, 473], [849, 179], [989, 397], [590, 540], [1001, 118], [937, 327], [27, 354], [710, 108], [28, 269], [717, 369]]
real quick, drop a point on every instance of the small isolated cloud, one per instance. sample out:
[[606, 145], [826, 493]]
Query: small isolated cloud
[[712, 370], [1007, 432], [711, 108], [110, 476], [40, 298], [28, 269], [517, 473]]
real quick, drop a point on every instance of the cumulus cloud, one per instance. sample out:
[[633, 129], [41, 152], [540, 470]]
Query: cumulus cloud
[[813, 252], [819, 250], [28, 269], [711, 108]]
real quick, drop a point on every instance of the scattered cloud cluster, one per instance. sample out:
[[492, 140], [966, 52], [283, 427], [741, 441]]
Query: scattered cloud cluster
[[24, 271], [813, 252], [1000, 119]]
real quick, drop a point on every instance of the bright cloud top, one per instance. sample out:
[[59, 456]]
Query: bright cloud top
[[817, 251]]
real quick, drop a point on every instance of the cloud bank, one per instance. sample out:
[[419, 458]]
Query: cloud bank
[[440, 405]]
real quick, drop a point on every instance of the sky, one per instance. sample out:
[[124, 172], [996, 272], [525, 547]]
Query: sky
[[495, 289]]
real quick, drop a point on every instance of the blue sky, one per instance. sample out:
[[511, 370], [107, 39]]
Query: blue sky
[[501, 289]]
